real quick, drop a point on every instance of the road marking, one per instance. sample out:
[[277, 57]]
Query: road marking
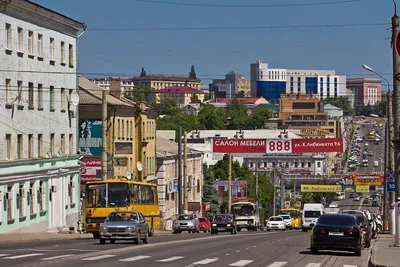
[[98, 257], [205, 261], [254, 246], [241, 263], [227, 254], [136, 258], [278, 264], [313, 264], [3, 255], [349, 265], [56, 257], [237, 250], [171, 259], [83, 250], [23, 256]]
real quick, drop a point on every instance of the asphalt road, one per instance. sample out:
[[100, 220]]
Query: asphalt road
[[350, 204], [271, 249]]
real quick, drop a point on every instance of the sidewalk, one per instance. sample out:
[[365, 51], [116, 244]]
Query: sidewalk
[[34, 237], [383, 253]]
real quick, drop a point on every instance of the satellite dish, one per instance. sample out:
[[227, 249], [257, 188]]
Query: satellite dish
[[74, 98], [139, 166], [129, 176]]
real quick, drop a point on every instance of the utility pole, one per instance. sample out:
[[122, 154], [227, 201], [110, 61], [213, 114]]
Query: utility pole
[[274, 194], [180, 188], [256, 183], [396, 115], [390, 160], [230, 183], [386, 168], [185, 181], [104, 140], [282, 189]]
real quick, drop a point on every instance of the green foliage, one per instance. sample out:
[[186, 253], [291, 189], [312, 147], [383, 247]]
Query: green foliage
[[341, 102], [210, 193], [192, 73], [212, 118], [139, 93], [378, 109], [259, 118], [195, 99], [237, 113], [143, 73], [166, 107], [186, 121]]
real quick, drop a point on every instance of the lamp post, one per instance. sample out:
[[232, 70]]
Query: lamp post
[[390, 149]]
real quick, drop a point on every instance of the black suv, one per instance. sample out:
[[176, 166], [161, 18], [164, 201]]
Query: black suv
[[223, 223]]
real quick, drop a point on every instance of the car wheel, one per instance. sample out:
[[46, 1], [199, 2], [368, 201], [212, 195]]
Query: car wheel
[[205, 231], [146, 238], [268, 230], [358, 252], [112, 241], [102, 241], [96, 235], [368, 243], [313, 250], [137, 239]]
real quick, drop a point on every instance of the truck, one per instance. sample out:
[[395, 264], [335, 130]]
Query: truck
[[247, 214]]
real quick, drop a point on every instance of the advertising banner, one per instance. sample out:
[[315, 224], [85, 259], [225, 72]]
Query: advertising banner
[[334, 188], [317, 145], [239, 146], [366, 179], [356, 188], [89, 170], [90, 133]]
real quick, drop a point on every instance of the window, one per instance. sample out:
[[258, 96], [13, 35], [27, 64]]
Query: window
[[147, 195], [32, 202], [71, 55], [30, 96], [19, 83], [40, 45], [40, 96], [20, 201], [41, 195], [52, 48], [52, 143], [10, 208], [51, 98], [30, 42], [62, 52], [8, 90], [30, 146], [63, 143], [20, 40], [71, 144], [20, 146], [40, 145], [9, 36], [8, 144], [63, 99]]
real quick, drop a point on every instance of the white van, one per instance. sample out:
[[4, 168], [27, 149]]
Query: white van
[[376, 163], [310, 216]]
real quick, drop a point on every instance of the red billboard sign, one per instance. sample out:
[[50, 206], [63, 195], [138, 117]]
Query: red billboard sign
[[317, 145], [89, 169], [277, 146]]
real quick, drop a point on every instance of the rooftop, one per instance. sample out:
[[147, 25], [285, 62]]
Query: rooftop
[[165, 78], [244, 100], [180, 90], [165, 147], [263, 134]]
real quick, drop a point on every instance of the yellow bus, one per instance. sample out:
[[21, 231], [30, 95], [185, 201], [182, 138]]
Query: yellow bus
[[103, 197], [295, 214]]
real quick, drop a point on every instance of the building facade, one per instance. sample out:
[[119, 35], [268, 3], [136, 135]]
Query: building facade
[[234, 85], [157, 82], [39, 169], [271, 83], [179, 94], [167, 179], [367, 91], [126, 83]]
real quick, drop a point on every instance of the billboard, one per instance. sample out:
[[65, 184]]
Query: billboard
[[89, 169], [277, 146], [239, 189], [370, 179], [316, 188], [90, 133]]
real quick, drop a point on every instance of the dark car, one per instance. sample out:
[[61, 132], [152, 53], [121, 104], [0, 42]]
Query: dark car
[[337, 232], [223, 223], [363, 220]]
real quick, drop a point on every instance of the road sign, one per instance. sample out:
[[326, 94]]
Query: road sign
[[279, 146], [390, 176], [398, 44], [391, 186], [287, 204], [298, 204]]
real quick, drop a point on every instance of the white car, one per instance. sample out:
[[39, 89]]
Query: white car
[[287, 219], [276, 223]]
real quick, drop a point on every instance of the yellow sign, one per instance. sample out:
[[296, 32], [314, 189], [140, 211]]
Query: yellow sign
[[356, 188], [316, 188]]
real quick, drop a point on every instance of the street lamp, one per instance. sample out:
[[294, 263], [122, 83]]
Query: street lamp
[[368, 68]]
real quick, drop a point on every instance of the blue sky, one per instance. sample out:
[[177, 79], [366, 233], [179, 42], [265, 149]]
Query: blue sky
[[112, 46]]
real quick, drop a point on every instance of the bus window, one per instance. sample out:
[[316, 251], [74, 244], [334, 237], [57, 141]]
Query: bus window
[[147, 195], [96, 196], [154, 189], [118, 195], [136, 194]]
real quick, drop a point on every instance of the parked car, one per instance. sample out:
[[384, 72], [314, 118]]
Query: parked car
[[276, 223], [288, 220], [124, 225], [186, 222], [364, 224], [223, 223], [337, 232], [205, 224]]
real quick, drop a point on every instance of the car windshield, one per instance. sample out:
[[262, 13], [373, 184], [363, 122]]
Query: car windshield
[[312, 213], [243, 209], [185, 217], [104, 195], [202, 220], [286, 217], [336, 220], [275, 219], [222, 218], [122, 216]]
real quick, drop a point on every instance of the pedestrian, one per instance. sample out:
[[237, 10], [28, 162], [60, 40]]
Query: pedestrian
[[80, 226]]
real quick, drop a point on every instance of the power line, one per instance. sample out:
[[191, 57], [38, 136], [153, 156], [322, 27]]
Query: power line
[[249, 6]]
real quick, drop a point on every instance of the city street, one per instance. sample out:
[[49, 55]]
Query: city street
[[271, 249]]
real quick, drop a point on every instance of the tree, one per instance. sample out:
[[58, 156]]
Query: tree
[[210, 193], [166, 107], [237, 112], [259, 118], [143, 73], [212, 118], [188, 122], [139, 93], [341, 102], [192, 73], [194, 99]]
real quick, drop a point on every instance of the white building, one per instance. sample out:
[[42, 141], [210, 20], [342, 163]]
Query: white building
[[270, 83], [167, 180], [126, 83], [39, 170]]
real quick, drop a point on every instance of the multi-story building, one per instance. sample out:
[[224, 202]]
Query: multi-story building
[[126, 83], [157, 82], [39, 170], [179, 94], [367, 91], [130, 135], [271, 83], [234, 85], [306, 111], [167, 179]]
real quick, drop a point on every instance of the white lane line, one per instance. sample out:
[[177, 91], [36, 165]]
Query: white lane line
[[171, 259], [56, 257], [254, 246], [349, 265], [237, 250], [136, 258], [205, 261], [98, 258], [277, 264], [3, 255], [314, 264], [23, 256], [241, 263], [227, 254]]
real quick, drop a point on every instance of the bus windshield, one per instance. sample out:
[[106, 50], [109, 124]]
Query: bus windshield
[[292, 213], [243, 210], [97, 197]]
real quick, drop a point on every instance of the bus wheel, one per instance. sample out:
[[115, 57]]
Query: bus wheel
[[151, 232], [96, 235]]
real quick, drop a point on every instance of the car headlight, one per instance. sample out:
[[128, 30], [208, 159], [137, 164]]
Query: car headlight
[[89, 220], [214, 224], [228, 224], [104, 228], [131, 229]]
